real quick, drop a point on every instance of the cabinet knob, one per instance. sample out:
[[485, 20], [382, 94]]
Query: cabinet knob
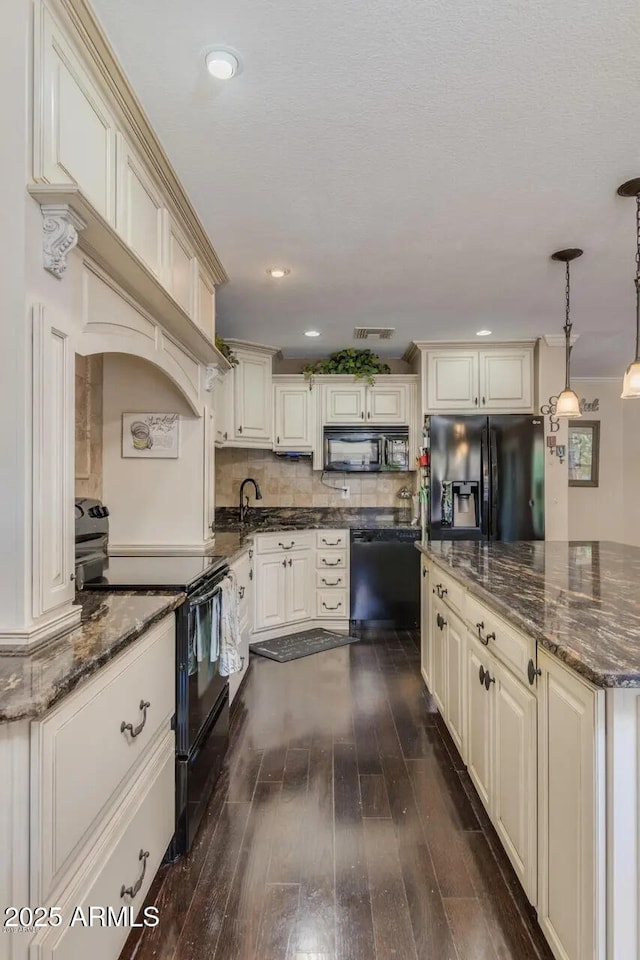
[[278, 440], [290, 562], [362, 415], [483, 401], [239, 429], [226, 435], [481, 674], [441, 622], [488, 679], [284, 563], [476, 401], [533, 672], [424, 571]]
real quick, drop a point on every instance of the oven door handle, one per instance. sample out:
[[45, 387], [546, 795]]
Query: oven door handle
[[198, 600]]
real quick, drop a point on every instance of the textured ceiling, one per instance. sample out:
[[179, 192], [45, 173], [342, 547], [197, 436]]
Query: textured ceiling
[[414, 162]]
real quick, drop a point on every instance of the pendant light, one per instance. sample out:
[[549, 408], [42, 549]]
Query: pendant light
[[631, 382], [568, 404]]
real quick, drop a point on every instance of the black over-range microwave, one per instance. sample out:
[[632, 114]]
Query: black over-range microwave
[[366, 449]]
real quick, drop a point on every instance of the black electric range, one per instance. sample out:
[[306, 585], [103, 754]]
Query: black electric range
[[202, 693]]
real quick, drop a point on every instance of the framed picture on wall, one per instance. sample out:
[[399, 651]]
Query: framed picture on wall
[[584, 453], [150, 436]]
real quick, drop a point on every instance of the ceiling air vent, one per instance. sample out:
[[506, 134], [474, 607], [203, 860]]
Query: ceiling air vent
[[373, 333]]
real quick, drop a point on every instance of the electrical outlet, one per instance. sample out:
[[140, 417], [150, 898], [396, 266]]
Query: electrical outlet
[[346, 493]]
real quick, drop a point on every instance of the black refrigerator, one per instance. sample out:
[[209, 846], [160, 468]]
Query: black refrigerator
[[487, 478]]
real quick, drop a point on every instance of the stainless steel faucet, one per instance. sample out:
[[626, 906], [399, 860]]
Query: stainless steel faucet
[[244, 501]]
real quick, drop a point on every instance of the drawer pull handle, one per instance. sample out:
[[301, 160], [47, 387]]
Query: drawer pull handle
[[292, 544], [251, 574], [241, 592], [336, 563], [332, 583], [532, 672], [251, 553], [331, 543], [132, 891], [490, 636], [480, 628], [327, 607], [440, 590], [441, 622], [134, 731], [242, 663]]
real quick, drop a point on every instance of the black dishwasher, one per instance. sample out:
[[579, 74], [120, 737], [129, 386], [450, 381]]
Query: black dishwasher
[[385, 576]]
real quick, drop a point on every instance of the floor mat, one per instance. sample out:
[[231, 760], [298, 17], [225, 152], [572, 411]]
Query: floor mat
[[302, 644]]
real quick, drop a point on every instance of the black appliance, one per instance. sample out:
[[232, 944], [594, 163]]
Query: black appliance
[[366, 449], [202, 695], [385, 576], [92, 539], [487, 478]]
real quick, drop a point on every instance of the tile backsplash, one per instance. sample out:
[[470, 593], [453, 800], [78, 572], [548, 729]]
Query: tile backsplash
[[286, 483]]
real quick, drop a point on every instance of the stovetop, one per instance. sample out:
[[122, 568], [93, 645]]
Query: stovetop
[[182, 573]]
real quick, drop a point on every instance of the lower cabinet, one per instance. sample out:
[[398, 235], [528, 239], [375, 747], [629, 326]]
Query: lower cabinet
[[244, 574], [455, 682], [283, 589], [570, 836], [439, 633], [425, 623], [480, 720]]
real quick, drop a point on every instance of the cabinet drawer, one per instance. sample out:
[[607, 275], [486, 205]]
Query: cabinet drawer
[[143, 823], [330, 579], [331, 559], [332, 603], [285, 542], [69, 798], [505, 642], [329, 539], [448, 589]]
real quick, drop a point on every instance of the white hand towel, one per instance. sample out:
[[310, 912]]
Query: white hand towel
[[230, 661]]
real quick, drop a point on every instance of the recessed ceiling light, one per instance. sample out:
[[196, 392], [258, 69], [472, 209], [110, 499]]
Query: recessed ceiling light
[[278, 272], [221, 64], [312, 333], [483, 333]]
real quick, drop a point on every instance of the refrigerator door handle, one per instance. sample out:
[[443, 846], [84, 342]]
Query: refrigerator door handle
[[495, 493], [484, 481]]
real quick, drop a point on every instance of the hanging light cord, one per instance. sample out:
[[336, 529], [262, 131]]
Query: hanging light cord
[[567, 323], [637, 277]]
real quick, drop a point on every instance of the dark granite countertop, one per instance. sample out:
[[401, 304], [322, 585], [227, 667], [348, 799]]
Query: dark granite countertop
[[580, 600], [31, 683]]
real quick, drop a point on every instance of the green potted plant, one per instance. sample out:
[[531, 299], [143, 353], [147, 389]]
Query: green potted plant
[[226, 351], [361, 364]]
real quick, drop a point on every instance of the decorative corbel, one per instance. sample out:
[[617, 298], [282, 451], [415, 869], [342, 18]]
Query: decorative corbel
[[60, 226], [211, 374]]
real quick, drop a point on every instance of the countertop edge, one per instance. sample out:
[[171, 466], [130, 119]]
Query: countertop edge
[[87, 670], [571, 660]]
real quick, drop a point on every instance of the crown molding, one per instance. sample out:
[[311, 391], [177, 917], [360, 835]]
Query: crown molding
[[558, 339], [94, 43]]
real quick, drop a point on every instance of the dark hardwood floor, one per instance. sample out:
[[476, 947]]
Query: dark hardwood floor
[[344, 827]]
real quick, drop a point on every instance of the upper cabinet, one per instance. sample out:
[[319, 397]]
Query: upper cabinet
[[140, 211], [248, 398], [206, 305], [497, 379], [294, 409], [181, 268], [387, 401]]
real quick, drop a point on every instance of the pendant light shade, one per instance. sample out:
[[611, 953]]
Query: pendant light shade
[[631, 382], [567, 405]]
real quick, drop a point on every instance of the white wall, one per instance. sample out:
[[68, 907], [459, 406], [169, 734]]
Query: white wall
[[597, 513], [155, 503]]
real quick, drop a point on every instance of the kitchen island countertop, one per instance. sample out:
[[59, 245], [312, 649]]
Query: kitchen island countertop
[[580, 600], [32, 682]]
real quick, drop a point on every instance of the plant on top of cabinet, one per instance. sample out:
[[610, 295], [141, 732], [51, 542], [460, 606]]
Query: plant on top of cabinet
[[226, 351], [362, 364]]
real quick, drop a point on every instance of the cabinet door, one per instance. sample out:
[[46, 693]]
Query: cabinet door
[[252, 397], [452, 380], [206, 313], [181, 268], [387, 404], [53, 450], [270, 594], [515, 777], [140, 213], [293, 423], [456, 673], [480, 720], [344, 403], [425, 621], [439, 629], [506, 379], [222, 406], [299, 587], [569, 832]]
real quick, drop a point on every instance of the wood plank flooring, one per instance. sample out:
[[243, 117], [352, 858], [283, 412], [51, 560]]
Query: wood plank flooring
[[344, 827]]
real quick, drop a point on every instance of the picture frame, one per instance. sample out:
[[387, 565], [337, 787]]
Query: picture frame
[[151, 436], [584, 453]]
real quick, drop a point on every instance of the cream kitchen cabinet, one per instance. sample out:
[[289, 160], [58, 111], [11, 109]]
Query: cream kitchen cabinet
[[425, 621], [140, 211], [284, 588], [242, 569], [248, 397], [294, 414], [181, 267], [206, 305], [496, 380], [480, 713], [570, 835], [222, 407], [438, 655], [388, 401]]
